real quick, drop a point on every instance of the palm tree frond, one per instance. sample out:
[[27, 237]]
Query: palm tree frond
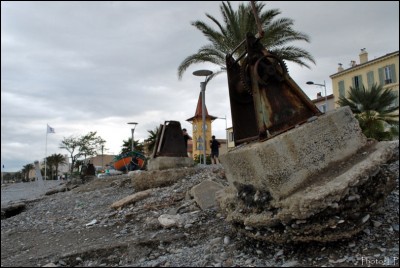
[[233, 28], [375, 110]]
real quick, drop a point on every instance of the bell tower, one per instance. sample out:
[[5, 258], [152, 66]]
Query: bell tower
[[197, 128]]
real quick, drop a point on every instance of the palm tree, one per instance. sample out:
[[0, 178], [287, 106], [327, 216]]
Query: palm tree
[[151, 140], [50, 167], [26, 169], [127, 146], [375, 109], [277, 34], [56, 160]]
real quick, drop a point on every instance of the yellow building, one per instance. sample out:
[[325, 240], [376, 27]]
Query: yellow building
[[383, 71], [197, 125]]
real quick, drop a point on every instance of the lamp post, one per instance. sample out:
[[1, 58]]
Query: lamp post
[[226, 131], [133, 130], [102, 156], [2, 174], [205, 73], [326, 97]]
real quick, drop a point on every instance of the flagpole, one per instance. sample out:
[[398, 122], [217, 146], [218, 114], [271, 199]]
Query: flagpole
[[45, 157]]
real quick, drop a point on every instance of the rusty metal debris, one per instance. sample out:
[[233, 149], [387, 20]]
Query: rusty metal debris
[[265, 101], [169, 141]]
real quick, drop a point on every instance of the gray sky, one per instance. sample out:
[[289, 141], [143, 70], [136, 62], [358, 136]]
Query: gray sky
[[94, 66]]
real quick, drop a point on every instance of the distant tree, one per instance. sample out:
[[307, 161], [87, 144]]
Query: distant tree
[[50, 167], [90, 145], [56, 160], [71, 144], [375, 109], [84, 146], [25, 171], [13, 176], [7, 177]]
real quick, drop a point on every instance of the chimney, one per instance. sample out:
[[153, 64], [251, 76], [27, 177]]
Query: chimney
[[352, 63], [363, 56], [319, 95], [340, 68]]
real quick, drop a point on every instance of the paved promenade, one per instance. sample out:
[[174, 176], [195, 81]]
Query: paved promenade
[[26, 191]]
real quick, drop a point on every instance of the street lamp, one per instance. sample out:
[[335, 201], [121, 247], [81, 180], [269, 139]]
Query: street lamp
[[326, 97], [205, 73], [133, 130], [2, 174]]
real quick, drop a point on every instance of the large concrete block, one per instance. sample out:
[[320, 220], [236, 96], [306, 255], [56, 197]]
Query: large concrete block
[[321, 181], [167, 162], [334, 207], [295, 159]]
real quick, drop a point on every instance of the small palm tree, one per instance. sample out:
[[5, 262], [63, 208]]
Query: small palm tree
[[375, 109], [277, 34], [127, 146], [151, 140]]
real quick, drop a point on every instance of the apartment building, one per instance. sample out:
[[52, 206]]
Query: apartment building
[[383, 70]]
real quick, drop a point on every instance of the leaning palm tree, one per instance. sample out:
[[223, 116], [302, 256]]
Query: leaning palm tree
[[375, 109], [278, 33]]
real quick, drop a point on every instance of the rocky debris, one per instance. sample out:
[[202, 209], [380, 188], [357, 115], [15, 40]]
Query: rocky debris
[[54, 231]]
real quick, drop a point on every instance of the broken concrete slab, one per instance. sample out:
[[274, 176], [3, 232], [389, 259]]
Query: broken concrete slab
[[204, 194], [168, 162], [287, 161], [321, 190], [160, 178]]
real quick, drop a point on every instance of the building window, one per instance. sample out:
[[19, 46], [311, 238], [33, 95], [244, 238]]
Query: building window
[[231, 138], [387, 75], [388, 79], [341, 89], [200, 143], [357, 81]]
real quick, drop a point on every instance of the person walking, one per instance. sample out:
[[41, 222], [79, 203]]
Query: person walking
[[214, 150]]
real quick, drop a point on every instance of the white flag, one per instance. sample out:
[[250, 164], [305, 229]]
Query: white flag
[[50, 129]]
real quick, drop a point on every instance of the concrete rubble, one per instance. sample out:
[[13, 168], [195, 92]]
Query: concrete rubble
[[320, 181]]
